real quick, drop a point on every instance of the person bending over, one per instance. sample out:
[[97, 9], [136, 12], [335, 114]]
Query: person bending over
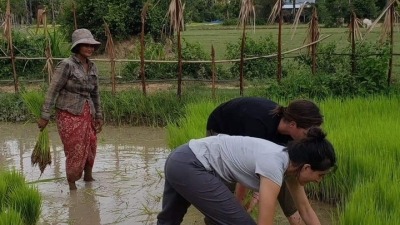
[[198, 173]]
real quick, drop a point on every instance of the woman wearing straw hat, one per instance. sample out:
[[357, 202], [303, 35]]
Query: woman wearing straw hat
[[74, 90]]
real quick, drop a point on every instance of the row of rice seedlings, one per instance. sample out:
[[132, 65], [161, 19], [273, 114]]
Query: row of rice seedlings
[[374, 202], [363, 131], [191, 125], [41, 153], [19, 201]]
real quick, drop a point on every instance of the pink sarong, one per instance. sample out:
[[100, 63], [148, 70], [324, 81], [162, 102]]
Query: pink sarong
[[79, 138]]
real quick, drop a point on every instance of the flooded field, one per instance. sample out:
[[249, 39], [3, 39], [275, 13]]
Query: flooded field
[[128, 172]]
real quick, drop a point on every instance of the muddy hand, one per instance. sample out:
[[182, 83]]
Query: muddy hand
[[42, 123]]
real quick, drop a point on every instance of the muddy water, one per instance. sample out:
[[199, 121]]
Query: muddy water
[[128, 172]]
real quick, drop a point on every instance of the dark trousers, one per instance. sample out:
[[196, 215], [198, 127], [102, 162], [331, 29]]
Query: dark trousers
[[188, 182]]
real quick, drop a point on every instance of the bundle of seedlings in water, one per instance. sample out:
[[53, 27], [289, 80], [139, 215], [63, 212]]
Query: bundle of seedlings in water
[[41, 153]]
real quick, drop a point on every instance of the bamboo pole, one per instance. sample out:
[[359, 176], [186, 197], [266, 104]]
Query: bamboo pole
[[279, 72], [110, 49], [74, 13], [178, 27], [247, 12], [241, 65], [353, 42], [49, 61], [213, 74], [142, 48], [391, 13], [314, 37], [8, 34]]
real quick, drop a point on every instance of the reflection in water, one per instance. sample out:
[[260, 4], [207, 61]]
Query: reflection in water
[[83, 207]]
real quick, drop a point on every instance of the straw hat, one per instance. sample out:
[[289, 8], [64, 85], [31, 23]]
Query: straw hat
[[83, 36]]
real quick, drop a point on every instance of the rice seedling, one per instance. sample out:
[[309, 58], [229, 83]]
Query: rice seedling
[[41, 152], [27, 201], [12, 181], [10, 217], [3, 192], [191, 125], [18, 201]]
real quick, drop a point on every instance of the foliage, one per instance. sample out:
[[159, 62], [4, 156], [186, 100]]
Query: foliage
[[331, 10], [258, 68], [123, 18], [25, 45], [334, 70], [12, 108], [157, 51]]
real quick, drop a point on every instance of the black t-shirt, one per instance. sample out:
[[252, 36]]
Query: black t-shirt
[[247, 116]]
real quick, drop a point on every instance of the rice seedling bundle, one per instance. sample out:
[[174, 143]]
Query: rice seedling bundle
[[41, 152]]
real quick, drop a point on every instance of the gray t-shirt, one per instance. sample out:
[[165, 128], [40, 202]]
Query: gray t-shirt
[[242, 159]]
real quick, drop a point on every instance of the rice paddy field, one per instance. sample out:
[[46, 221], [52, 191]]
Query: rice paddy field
[[365, 134]]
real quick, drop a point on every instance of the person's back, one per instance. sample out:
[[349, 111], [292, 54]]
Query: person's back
[[241, 158], [247, 116]]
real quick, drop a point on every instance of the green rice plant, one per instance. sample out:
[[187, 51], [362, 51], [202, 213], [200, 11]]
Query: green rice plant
[[373, 203], [27, 201], [12, 180], [10, 217], [191, 125], [41, 152], [3, 193]]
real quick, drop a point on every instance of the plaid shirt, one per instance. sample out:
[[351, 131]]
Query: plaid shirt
[[71, 87]]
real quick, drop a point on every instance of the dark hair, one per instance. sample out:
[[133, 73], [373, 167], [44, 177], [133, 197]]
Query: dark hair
[[75, 49], [315, 150], [304, 112]]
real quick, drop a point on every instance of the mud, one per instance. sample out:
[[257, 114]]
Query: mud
[[128, 172]]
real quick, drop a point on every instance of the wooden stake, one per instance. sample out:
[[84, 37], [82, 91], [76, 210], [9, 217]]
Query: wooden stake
[[8, 33]]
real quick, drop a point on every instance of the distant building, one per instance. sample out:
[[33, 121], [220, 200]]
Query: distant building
[[288, 12], [288, 4]]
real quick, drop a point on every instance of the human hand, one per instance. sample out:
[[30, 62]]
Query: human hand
[[253, 202], [98, 125], [42, 123]]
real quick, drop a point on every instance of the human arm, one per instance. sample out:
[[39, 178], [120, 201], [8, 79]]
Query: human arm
[[269, 191], [95, 95], [298, 193], [59, 79], [240, 192]]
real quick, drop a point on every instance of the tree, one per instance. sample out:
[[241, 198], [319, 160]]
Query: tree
[[122, 16]]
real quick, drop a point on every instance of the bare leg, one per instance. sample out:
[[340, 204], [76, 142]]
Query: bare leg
[[295, 219], [88, 174], [72, 186]]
